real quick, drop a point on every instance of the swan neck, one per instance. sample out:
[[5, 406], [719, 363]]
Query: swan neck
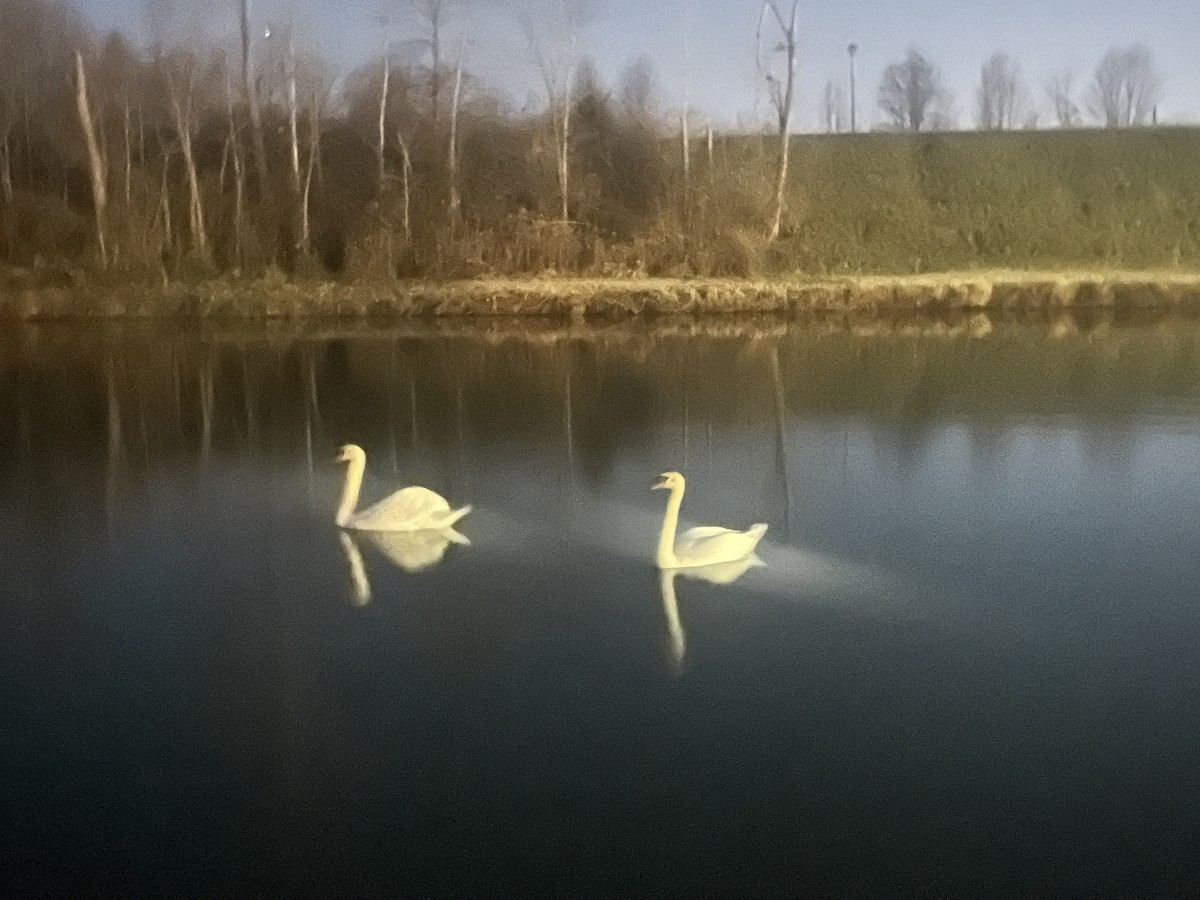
[[354, 477], [666, 541]]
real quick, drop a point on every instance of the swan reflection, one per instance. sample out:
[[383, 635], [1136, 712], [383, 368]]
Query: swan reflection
[[360, 587], [717, 573], [411, 551]]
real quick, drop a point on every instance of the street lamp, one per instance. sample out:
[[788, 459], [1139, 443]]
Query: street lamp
[[852, 49]]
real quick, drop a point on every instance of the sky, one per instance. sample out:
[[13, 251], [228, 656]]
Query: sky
[[705, 49]]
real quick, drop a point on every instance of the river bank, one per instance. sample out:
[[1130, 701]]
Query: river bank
[[583, 298]]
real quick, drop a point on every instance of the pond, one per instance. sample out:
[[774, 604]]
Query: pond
[[967, 664]]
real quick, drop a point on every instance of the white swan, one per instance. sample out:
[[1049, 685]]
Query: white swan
[[409, 509], [701, 546]]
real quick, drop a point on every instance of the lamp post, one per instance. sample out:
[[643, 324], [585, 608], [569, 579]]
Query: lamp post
[[852, 49]]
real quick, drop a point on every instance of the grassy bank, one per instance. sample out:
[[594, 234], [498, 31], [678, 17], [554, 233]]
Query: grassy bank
[[1091, 199], [578, 298]]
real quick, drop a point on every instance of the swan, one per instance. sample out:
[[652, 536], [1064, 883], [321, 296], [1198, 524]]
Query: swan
[[702, 546], [409, 509]]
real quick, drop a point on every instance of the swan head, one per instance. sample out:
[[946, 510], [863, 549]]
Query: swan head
[[350, 452], [670, 481]]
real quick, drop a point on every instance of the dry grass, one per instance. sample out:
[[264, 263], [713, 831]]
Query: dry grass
[[611, 298]]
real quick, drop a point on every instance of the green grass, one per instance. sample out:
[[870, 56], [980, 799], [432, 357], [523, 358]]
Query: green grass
[[889, 204]]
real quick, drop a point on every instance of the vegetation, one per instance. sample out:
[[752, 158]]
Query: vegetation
[[186, 166]]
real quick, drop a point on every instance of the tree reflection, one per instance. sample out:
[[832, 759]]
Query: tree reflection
[[432, 401]]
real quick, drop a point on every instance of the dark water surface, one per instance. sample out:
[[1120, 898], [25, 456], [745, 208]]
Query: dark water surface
[[968, 667]]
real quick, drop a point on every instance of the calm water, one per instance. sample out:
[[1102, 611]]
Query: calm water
[[969, 665]]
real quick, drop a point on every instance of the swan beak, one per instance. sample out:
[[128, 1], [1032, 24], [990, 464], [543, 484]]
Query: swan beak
[[662, 485]]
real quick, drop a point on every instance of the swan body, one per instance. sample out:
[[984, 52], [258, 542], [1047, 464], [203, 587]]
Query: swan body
[[722, 572], [409, 509], [702, 546]]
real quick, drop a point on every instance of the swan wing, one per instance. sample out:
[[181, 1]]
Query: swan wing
[[408, 509], [711, 544]]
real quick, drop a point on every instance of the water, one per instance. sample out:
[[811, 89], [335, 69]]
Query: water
[[968, 666]]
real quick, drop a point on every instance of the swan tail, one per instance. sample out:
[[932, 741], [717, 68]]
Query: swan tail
[[757, 530], [454, 516]]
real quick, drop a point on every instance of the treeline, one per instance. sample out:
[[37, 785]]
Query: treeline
[[184, 162], [189, 162], [1123, 92]]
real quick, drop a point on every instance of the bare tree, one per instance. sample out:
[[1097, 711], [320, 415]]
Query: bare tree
[[638, 88], [1001, 96], [781, 91], [97, 165], [293, 115], [452, 154], [1059, 90], [910, 91], [314, 156], [685, 21], [234, 150], [251, 95], [179, 75], [381, 145], [406, 171], [554, 41], [434, 14], [833, 107], [1125, 87]]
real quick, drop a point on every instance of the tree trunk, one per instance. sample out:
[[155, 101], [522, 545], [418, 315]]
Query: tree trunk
[[6, 184], [182, 108], [683, 125], [687, 161], [128, 159], [260, 150], [777, 223], [314, 151], [96, 166], [165, 203], [784, 110], [435, 73], [381, 146], [299, 214], [292, 113], [6, 190], [564, 149], [452, 162], [224, 167], [239, 177], [407, 170]]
